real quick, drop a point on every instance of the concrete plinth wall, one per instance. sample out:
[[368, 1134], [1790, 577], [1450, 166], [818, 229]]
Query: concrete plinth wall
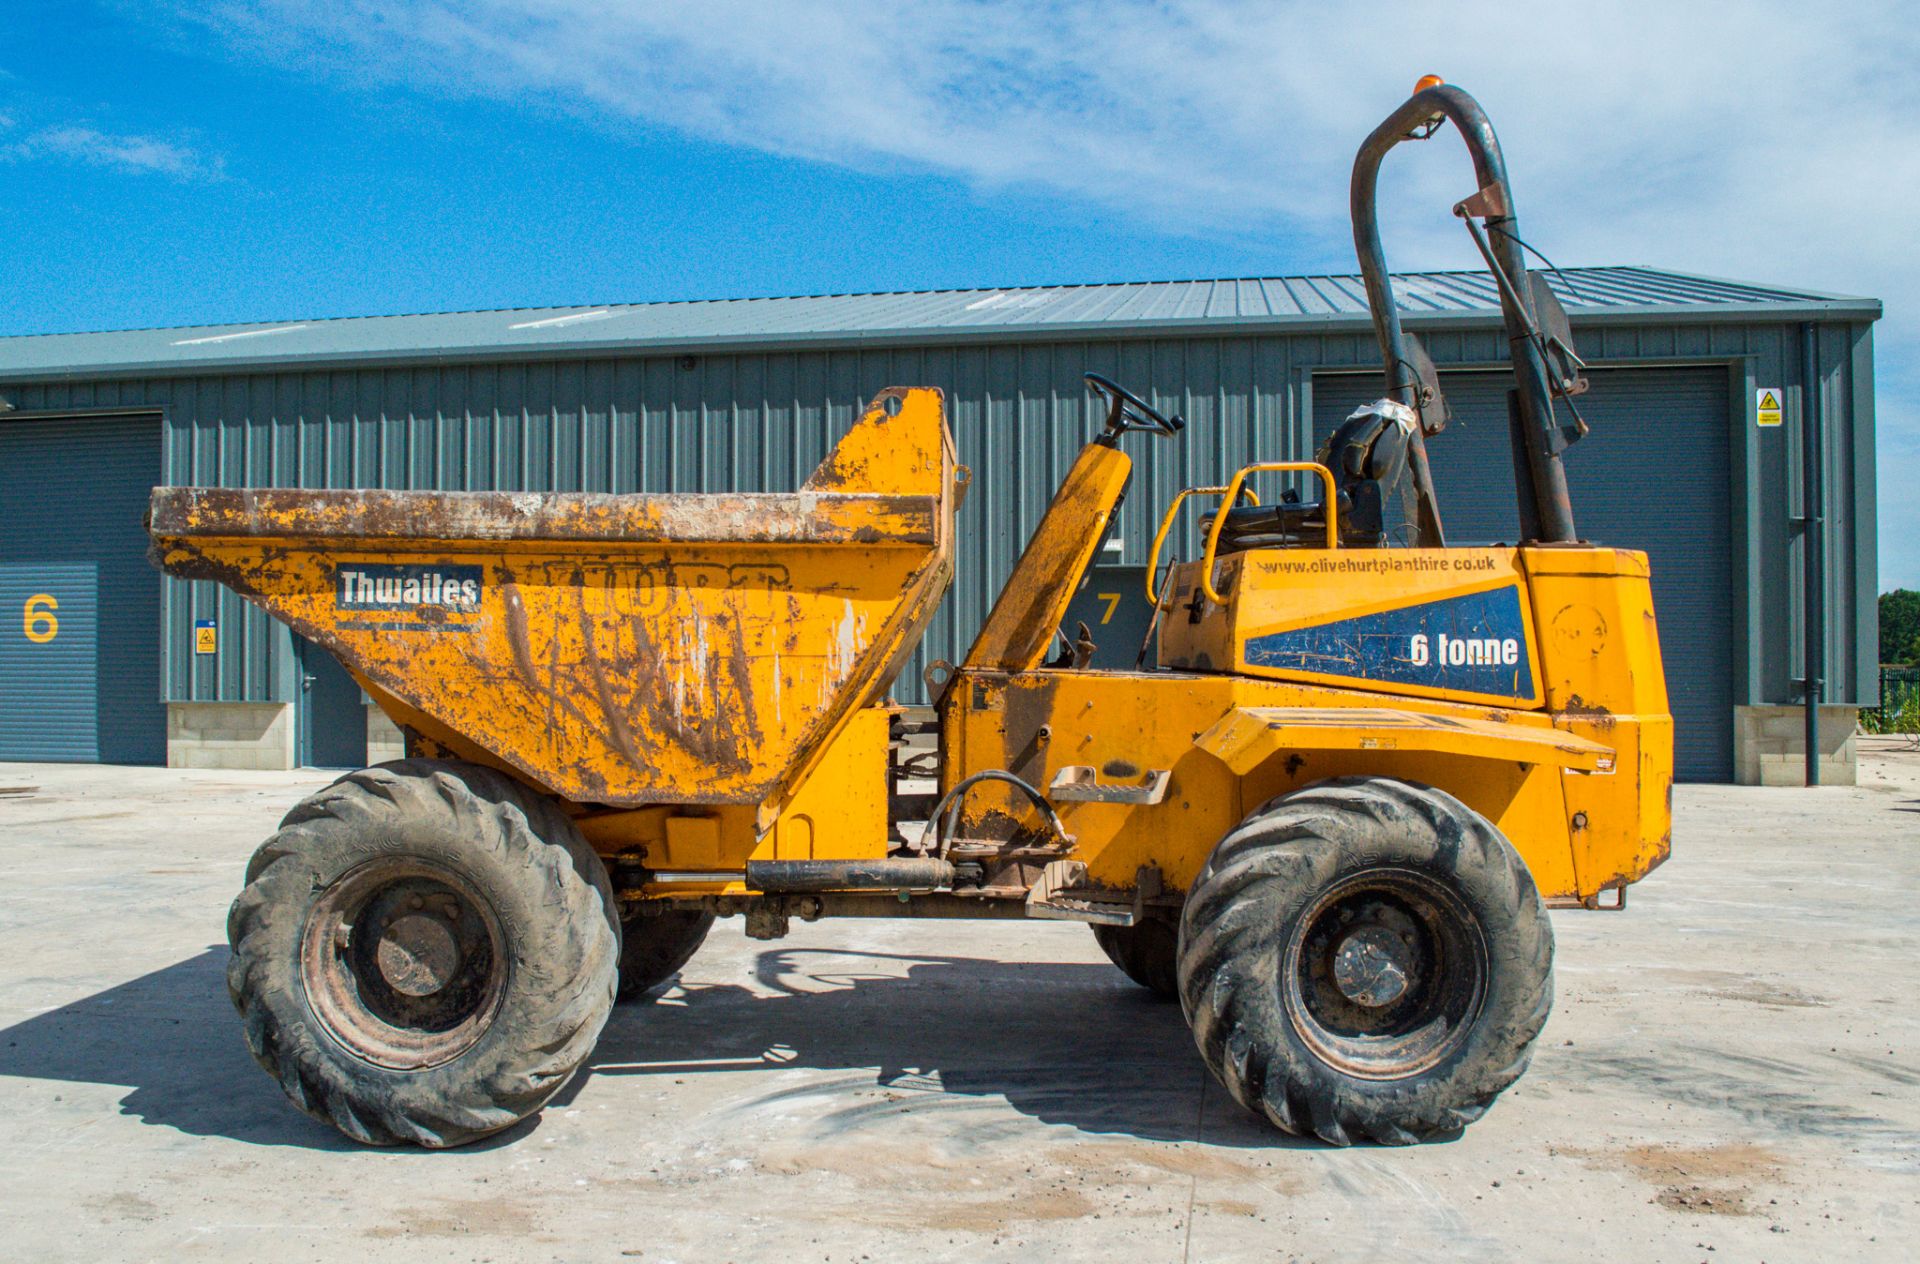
[[256, 735], [384, 739], [1771, 745]]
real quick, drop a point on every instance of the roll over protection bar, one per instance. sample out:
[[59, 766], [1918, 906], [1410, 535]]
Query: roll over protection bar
[[1546, 513]]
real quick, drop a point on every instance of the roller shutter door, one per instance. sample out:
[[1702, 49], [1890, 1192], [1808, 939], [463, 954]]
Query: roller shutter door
[[79, 604], [1653, 475]]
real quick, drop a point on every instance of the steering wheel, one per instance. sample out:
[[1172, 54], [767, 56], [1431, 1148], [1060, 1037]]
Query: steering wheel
[[1127, 411]]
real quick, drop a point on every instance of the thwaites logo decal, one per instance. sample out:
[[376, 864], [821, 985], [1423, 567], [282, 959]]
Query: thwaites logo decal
[[1471, 644], [434, 595]]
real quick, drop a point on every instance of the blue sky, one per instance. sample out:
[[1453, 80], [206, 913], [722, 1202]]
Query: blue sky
[[170, 163]]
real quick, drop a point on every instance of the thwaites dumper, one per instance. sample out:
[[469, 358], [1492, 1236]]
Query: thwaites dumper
[[1329, 818]]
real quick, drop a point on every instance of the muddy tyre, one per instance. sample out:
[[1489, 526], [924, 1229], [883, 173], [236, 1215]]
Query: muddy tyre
[[653, 947], [1366, 959], [424, 953], [1146, 952]]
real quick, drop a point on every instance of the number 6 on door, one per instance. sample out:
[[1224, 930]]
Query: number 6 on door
[[38, 621]]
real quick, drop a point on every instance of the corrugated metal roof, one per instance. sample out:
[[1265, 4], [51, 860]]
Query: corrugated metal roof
[[932, 315]]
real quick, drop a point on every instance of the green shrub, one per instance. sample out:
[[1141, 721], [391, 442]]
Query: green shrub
[[1900, 626], [1899, 710]]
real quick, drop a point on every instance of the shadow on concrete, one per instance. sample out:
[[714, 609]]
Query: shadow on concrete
[[1063, 1043], [173, 1039]]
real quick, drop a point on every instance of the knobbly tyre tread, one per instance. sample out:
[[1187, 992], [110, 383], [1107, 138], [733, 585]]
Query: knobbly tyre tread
[[555, 906], [1235, 927], [654, 946], [1146, 952]]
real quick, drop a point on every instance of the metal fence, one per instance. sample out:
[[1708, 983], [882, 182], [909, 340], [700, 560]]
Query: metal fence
[[1899, 709]]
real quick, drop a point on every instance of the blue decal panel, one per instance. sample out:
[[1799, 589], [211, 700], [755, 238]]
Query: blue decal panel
[[1471, 644]]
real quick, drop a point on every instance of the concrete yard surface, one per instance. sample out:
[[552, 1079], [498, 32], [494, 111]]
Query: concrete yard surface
[[1729, 1074]]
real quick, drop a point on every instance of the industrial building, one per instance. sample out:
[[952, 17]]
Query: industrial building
[[1700, 402]]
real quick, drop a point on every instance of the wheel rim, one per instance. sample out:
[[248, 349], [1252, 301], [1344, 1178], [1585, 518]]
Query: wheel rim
[[403, 963], [1386, 974]]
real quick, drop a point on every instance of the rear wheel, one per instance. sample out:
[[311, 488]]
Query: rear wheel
[[425, 952], [1366, 959], [654, 945], [1147, 952]]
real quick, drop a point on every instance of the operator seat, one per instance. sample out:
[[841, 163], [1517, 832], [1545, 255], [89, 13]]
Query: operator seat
[[1368, 457]]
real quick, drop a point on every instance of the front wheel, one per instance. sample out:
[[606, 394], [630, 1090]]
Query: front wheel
[[425, 952], [1366, 959]]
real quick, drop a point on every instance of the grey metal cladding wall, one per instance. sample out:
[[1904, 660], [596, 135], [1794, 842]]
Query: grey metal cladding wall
[[1858, 544], [762, 420], [1769, 500], [1851, 578], [1020, 413]]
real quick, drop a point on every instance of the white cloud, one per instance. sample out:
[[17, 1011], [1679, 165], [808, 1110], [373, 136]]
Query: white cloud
[[1770, 140], [133, 155], [1220, 115]]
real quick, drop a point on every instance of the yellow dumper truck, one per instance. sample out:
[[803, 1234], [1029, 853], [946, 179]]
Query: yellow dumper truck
[[1328, 814]]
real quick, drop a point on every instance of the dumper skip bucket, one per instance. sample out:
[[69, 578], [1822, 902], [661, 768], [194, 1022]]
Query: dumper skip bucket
[[615, 649]]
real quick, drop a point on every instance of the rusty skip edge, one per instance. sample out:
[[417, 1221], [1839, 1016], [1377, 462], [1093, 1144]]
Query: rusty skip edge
[[800, 518]]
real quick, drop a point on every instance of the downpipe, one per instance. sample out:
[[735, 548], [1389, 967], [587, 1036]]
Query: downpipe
[[1813, 542]]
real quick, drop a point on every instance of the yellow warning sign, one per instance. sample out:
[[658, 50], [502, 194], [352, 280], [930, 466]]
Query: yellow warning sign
[[1767, 399], [205, 636]]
